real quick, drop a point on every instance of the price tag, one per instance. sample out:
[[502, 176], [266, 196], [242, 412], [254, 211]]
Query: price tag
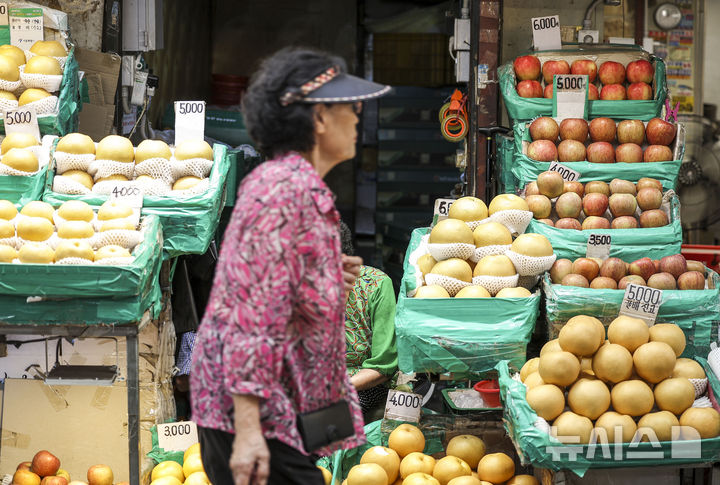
[[177, 436], [26, 26], [403, 406], [22, 120], [598, 246], [546, 32], [570, 96], [568, 174], [442, 207], [641, 302], [4, 14], [189, 121], [131, 194], [139, 86]]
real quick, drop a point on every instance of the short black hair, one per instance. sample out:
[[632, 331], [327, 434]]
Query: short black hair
[[277, 129]]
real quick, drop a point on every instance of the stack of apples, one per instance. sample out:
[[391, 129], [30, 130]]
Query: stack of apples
[[621, 204], [672, 272], [613, 76], [608, 142], [44, 469], [402, 462]]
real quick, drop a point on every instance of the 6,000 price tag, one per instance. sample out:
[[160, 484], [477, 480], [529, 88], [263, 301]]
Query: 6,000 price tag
[[403, 406], [546, 32], [641, 302], [177, 436], [598, 246], [22, 120]]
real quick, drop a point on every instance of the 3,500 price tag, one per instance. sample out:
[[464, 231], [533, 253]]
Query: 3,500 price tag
[[403, 406], [598, 246], [189, 121], [546, 32], [641, 302], [177, 436], [567, 173], [570, 96], [22, 120]]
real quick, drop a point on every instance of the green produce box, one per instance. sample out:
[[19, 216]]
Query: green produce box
[[85, 294], [21, 189], [525, 169], [466, 336], [188, 223], [697, 312], [504, 160], [627, 244], [536, 447], [525, 109]]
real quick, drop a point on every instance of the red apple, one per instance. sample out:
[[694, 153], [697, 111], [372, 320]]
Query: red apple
[[640, 91], [575, 280], [539, 205], [660, 132], [662, 281], [640, 71], [530, 89], [571, 151], [611, 72], [550, 184], [586, 267], [597, 186], [634, 279], [595, 204], [674, 264], [100, 475], [25, 465], [602, 129], [550, 68], [574, 129], [45, 463], [619, 186], [649, 182], [600, 152], [624, 222], [568, 223], [54, 480], [603, 283], [653, 218], [526, 67], [613, 268], [574, 186], [593, 94], [629, 153], [631, 131], [548, 91], [691, 280], [586, 67], [595, 222], [643, 267], [657, 153], [25, 477], [549, 222], [560, 268], [622, 205], [531, 189], [542, 151], [568, 205], [544, 128], [613, 92], [649, 198]]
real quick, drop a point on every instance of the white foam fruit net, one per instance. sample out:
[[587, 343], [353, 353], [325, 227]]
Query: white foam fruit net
[[121, 237], [66, 185], [495, 283], [515, 220], [7, 104], [442, 252], [474, 224], [12, 86], [20, 242], [105, 168], [74, 261], [451, 285], [9, 241], [7, 170], [530, 265], [70, 161], [97, 223], [491, 250], [702, 402], [714, 359], [55, 241], [196, 167], [700, 386], [200, 188], [528, 282], [157, 168], [49, 82], [115, 261], [154, 187], [45, 106]]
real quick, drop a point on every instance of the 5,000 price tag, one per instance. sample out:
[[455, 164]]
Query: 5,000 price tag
[[641, 302], [403, 406], [570, 96], [22, 120], [189, 121], [598, 246], [177, 436]]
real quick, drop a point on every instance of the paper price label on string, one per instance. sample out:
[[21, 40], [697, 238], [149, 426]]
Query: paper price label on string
[[26, 26], [189, 121], [641, 302], [22, 120], [177, 436], [442, 207], [570, 96], [403, 406], [546, 32], [598, 246], [567, 173]]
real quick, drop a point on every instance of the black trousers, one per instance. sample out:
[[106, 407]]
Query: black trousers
[[287, 465]]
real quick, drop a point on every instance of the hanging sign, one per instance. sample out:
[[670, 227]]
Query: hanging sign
[[546, 33]]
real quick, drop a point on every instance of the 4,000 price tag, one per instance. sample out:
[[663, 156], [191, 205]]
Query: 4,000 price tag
[[641, 302], [567, 173], [403, 406], [177, 436]]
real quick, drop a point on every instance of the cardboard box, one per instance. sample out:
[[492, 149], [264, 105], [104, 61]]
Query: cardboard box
[[101, 71]]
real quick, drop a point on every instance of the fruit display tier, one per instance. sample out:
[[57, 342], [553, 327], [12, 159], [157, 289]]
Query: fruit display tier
[[467, 336], [85, 294], [188, 223], [524, 169], [21, 189], [524, 109], [696, 312], [535, 446]]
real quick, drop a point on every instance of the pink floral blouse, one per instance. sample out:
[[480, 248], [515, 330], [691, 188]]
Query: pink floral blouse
[[274, 326]]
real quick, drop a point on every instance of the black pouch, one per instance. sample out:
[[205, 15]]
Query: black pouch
[[325, 426]]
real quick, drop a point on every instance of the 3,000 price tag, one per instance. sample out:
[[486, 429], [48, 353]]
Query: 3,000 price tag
[[442, 207], [598, 246], [189, 121], [403, 406], [567, 173], [546, 32], [177, 436], [22, 120], [641, 302], [570, 96]]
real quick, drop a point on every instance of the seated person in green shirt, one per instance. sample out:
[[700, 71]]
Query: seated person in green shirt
[[370, 334]]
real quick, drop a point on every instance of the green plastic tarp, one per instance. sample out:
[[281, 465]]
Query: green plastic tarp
[[158, 454], [627, 244], [525, 109], [536, 447], [505, 150], [188, 223], [696, 312], [85, 294], [21, 189], [466, 336]]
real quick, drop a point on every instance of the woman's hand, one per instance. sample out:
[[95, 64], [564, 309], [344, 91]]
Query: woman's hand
[[351, 270], [250, 458]]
